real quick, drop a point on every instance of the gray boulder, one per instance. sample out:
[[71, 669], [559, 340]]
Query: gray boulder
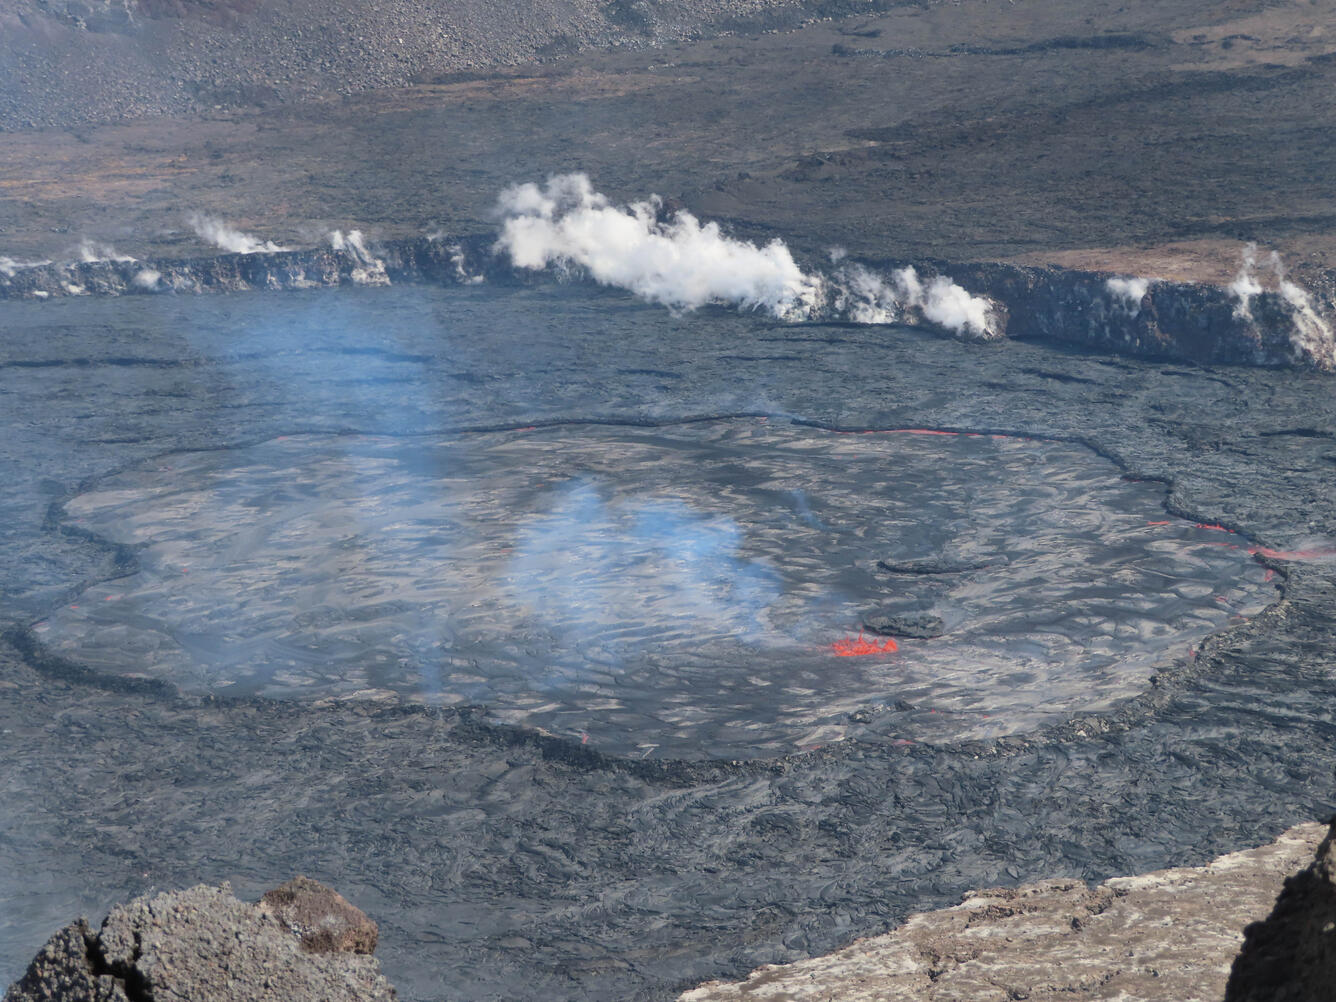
[[200, 944], [915, 625]]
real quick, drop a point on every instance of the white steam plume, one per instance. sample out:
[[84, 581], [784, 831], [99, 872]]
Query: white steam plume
[[1311, 335], [370, 269], [1245, 286], [460, 262], [946, 304], [147, 279], [10, 267], [684, 263], [91, 252], [1129, 291], [352, 243], [213, 230], [679, 262], [863, 296], [459, 259]]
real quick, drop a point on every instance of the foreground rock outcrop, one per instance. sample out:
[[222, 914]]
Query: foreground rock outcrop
[[1164, 935], [203, 943], [1290, 956], [322, 919]]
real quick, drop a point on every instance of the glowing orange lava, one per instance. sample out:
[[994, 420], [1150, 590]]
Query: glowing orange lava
[[847, 648]]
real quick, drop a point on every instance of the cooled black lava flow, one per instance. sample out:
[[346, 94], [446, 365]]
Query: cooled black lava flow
[[504, 865]]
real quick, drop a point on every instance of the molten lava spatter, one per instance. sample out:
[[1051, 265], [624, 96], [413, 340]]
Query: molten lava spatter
[[847, 648]]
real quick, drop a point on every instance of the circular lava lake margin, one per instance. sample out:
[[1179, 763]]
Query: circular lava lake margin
[[688, 590]]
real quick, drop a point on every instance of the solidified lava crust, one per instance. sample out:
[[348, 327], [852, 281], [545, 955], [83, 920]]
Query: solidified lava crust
[[502, 862]]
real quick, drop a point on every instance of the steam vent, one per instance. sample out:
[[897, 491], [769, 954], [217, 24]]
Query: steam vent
[[761, 499]]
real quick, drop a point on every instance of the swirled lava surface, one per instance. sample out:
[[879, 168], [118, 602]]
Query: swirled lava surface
[[690, 590]]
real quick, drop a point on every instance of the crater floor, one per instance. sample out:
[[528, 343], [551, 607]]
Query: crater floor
[[500, 863]]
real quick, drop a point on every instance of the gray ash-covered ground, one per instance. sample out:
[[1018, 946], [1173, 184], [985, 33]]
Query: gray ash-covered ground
[[148, 58], [1144, 138], [501, 863]]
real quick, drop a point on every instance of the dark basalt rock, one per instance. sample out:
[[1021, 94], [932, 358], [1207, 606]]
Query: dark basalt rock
[[929, 566], [916, 626], [1290, 956], [442, 261], [203, 944], [1173, 320]]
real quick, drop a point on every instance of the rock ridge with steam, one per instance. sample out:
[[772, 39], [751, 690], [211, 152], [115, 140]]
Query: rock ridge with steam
[[203, 943], [1189, 321]]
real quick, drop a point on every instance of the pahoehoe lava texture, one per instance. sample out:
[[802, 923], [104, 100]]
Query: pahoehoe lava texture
[[501, 863], [676, 591]]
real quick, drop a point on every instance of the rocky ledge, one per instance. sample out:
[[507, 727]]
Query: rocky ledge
[[301, 942], [1195, 322], [1171, 934], [1290, 956]]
